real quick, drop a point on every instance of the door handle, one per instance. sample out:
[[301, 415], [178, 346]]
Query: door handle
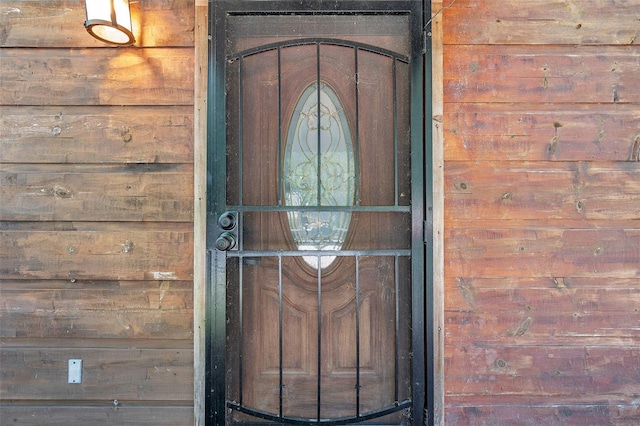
[[226, 241], [228, 220], [228, 224]]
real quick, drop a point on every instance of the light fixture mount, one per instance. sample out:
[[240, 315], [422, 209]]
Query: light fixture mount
[[110, 21]]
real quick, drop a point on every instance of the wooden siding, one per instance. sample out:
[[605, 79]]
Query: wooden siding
[[541, 243], [96, 219], [542, 212]]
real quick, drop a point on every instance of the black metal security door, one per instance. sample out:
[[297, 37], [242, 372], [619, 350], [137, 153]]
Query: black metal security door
[[316, 213]]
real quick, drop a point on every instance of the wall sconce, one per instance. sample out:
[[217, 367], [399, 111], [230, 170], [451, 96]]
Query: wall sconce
[[110, 21]]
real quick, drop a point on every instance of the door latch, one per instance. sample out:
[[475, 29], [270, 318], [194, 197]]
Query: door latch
[[228, 227]]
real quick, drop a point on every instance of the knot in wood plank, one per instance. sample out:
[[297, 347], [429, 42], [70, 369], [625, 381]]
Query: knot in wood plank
[[61, 192], [635, 149]]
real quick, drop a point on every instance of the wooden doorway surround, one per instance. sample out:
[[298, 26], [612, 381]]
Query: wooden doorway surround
[[200, 205]]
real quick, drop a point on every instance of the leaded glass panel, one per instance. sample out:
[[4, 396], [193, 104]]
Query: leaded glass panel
[[319, 170]]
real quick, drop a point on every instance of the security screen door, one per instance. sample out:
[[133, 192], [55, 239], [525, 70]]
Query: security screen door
[[315, 234]]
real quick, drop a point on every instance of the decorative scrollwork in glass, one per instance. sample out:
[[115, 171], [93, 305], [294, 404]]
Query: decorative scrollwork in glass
[[319, 170]]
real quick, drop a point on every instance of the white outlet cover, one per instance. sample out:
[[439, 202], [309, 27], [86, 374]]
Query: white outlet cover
[[75, 371]]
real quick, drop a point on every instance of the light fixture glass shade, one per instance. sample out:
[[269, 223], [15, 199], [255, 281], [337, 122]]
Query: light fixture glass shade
[[110, 21]]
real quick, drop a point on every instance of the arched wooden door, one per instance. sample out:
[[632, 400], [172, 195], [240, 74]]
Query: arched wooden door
[[316, 215]]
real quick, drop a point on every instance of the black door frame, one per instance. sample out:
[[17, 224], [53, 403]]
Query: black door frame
[[422, 194]]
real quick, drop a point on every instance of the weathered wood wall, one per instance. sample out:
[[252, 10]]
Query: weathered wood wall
[[96, 217], [542, 209], [542, 212]]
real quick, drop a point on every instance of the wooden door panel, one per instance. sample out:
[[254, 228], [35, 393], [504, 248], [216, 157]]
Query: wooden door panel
[[377, 143], [332, 342], [377, 337]]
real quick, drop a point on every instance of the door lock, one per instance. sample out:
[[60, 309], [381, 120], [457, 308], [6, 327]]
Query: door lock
[[226, 241], [228, 224], [228, 220]]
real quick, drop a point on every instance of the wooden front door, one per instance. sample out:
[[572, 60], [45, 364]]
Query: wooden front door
[[316, 215]]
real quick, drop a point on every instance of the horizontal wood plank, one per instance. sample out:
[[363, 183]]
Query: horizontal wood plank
[[512, 190], [541, 22], [543, 252], [87, 343], [542, 311], [161, 253], [156, 192], [453, 283], [557, 311], [549, 371], [103, 414], [541, 74], [534, 132], [126, 76], [463, 223], [103, 309], [59, 23], [107, 374], [543, 328], [91, 134], [486, 400], [560, 301], [598, 412]]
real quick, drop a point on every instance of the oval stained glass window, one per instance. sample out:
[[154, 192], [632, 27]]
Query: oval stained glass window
[[319, 170]]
